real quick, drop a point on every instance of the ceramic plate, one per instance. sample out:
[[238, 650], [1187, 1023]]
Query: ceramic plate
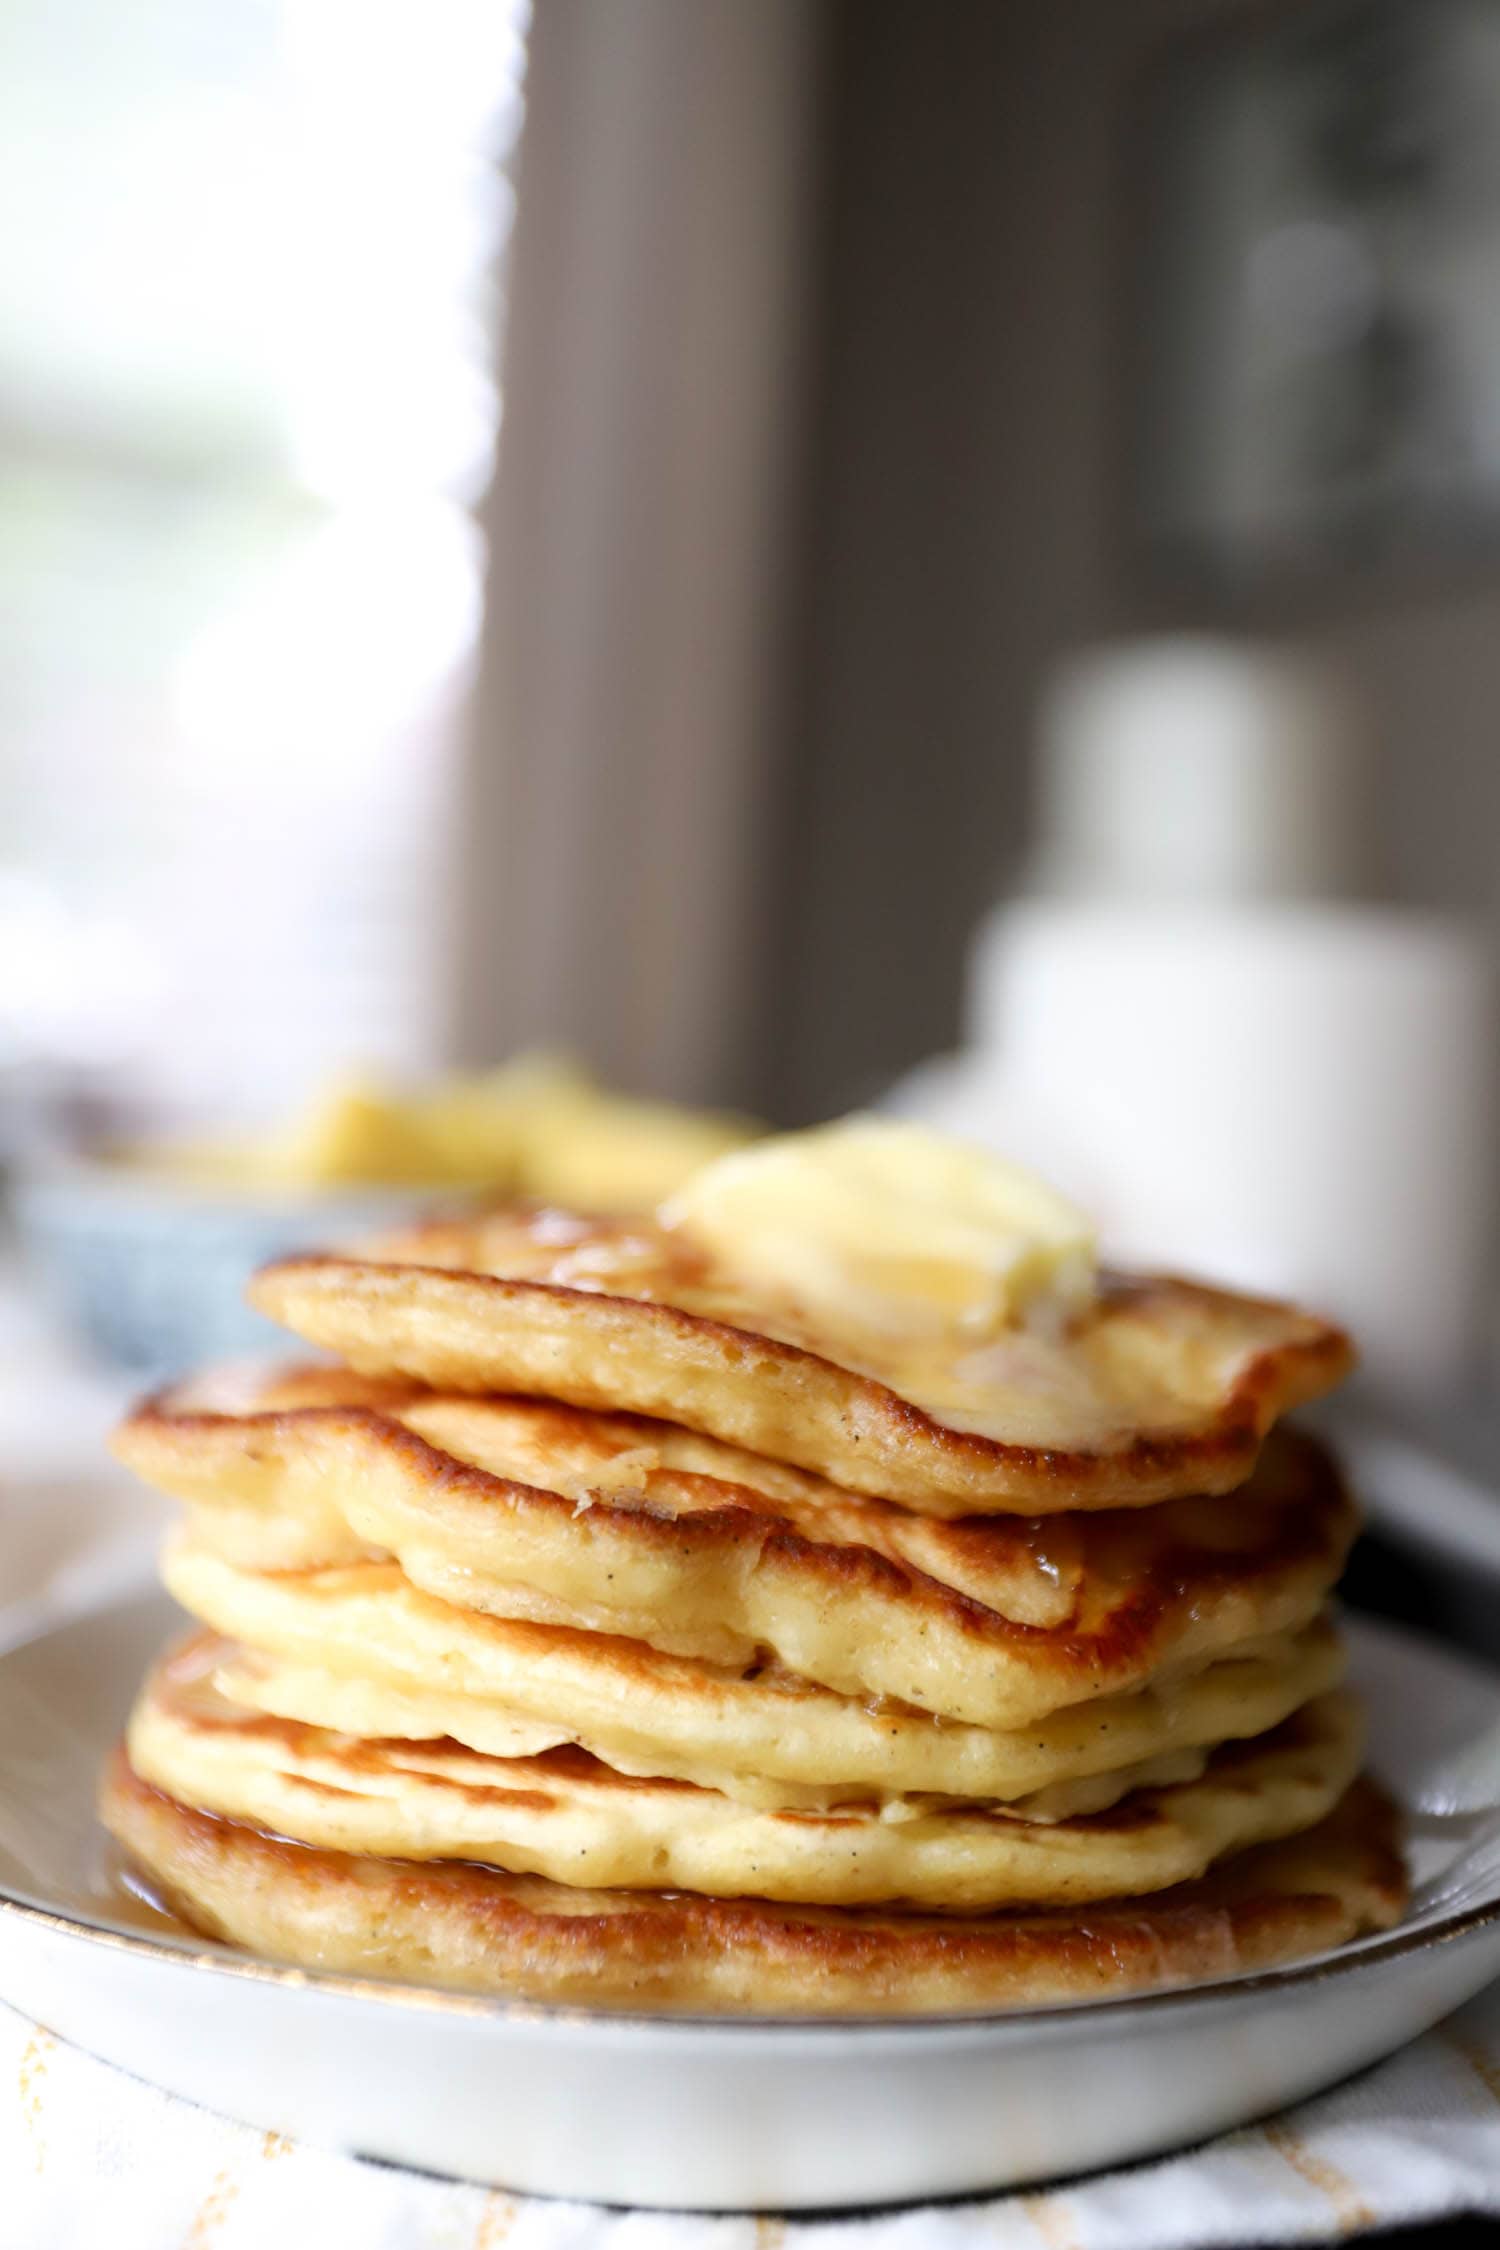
[[718, 2114]]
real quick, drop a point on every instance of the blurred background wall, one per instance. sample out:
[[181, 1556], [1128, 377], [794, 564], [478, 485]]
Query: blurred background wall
[[825, 318], [620, 816], [946, 204]]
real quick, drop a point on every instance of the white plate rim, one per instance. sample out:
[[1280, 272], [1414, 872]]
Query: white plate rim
[[1440, 1929]]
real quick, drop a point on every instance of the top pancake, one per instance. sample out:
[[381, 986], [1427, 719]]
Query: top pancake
[[1162, 1388]]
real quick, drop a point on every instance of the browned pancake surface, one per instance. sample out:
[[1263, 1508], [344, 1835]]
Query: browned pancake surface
[[474, 1929], [1162, 1388], [705, 1550]]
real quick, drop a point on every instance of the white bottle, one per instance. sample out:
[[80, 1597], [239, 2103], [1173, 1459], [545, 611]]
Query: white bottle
[[1192, 1021]]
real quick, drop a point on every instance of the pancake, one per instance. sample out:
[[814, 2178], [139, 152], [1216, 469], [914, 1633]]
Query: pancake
[[362, 1651], [632, 1528], [1161, 1388], [566, 1815], [476, 1930], [338, 1702]]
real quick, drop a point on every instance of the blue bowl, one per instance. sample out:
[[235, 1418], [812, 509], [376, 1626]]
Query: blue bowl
[[149, 1272]]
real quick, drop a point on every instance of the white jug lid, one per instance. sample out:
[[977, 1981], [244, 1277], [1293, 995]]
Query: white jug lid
[[1196, 767]]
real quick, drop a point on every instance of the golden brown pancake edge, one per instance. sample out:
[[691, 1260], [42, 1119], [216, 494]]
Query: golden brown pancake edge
[[472, 1929], [482, 1331], [1169, 1585]]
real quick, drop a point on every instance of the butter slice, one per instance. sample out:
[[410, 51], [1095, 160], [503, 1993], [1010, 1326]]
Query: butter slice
[[894, 1227]]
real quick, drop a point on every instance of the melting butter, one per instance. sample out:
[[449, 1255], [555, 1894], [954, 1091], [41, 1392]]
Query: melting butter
[[893, 1227]]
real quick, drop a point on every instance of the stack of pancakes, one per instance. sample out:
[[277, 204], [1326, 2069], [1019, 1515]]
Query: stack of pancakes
[[603, 1627]]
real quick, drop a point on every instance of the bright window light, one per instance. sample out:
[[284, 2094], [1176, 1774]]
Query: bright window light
[[247, 402]]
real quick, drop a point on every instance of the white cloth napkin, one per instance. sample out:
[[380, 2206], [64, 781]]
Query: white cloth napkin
[[91, 2156]]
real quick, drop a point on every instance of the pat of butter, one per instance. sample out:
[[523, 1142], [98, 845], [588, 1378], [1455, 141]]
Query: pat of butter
[[894, 1226]]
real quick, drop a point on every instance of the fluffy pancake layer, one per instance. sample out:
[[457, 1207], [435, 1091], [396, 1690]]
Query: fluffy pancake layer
[[631, 1528], [334, 1701], [565, 1815], [361, 1650], [474, 1929], [1163, 1388]]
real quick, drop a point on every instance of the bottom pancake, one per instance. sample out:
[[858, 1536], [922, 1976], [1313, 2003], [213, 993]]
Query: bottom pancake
[[474, 1929]]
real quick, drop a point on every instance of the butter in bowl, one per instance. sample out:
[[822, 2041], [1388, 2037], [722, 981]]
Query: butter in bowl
[[144, 1249]]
